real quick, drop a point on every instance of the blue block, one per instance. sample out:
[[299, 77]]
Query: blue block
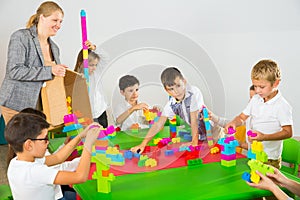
[[128, 154], [187, 137], [246, 176]]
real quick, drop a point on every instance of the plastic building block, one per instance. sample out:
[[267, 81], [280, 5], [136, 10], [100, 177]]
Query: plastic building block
[[228, 163], [246, 176], [195, 162], [231, 130], [187, 137], [214, 150], [169, 152], [151, 162], [251, 133]]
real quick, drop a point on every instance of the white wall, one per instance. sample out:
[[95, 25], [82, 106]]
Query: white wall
[[215, 43]]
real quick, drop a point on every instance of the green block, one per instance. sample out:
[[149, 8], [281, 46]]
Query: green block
[[228, 163]]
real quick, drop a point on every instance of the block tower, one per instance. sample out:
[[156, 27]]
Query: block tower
[[207, 126], [152, 115], [228, 151], [173, 129]]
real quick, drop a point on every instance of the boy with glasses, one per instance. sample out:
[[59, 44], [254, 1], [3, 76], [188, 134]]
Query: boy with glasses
[[28, 136]]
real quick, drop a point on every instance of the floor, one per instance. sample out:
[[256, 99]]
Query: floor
[[3, 152]]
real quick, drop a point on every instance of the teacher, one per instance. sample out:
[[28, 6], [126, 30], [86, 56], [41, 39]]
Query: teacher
[[32, 59]]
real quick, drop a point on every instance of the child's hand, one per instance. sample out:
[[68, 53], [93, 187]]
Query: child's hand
[[86, 130], [259, 136], [138, 149], [90, 45], [232, 125], [141, 106], [92, 133]]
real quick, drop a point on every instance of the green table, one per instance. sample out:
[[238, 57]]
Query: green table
[[207, 181]]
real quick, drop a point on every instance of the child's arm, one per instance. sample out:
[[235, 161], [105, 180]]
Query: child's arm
[[286, 132], [66, 151], [237, 121], [82, 171], [194, 127], [121, 118], [155, 128]]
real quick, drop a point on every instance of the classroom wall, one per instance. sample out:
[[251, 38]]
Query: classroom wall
[[214, 43]]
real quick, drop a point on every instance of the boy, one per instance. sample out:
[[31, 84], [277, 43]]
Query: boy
[[130, 111], [185, 101], [28, 136], [271, 114]]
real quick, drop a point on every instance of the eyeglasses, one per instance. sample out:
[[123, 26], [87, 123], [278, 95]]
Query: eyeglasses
[[46, 139]]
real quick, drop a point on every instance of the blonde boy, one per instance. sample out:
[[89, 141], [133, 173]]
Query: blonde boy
[[270, 114]]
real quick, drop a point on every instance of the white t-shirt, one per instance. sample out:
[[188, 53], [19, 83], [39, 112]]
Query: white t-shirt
[[96, 94], [135, 117], [194, 103], [268, 118], [31, 180]]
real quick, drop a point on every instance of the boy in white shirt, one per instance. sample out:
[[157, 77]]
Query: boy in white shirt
[[271, 114], [28, 136], [130, 111], [185, 101]]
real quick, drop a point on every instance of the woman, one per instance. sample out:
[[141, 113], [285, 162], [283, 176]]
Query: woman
[[32, 59]]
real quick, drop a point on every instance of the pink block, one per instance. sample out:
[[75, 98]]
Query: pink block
[[228, 157]]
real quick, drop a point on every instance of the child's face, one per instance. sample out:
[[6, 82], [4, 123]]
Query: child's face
[[131, 93], [92, 65], [40, 146], [265, 89], [178, 89]]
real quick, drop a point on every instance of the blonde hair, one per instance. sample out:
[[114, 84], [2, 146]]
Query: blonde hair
[[266, 70], [46, 9]]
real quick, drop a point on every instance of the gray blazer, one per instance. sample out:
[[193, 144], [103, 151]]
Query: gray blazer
[[25, 70]]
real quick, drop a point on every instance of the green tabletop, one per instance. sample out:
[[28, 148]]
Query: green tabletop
[[207, 181]]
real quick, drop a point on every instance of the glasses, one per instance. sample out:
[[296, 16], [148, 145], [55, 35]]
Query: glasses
[[46, 139]]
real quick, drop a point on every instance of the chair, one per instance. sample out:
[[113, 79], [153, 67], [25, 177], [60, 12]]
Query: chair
[[5, 192], [291, 155]]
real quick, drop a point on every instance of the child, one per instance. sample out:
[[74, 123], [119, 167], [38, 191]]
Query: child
[[28, 136], [270, 114], [98, 102], [130, 111], [185, 101], [273, 182]]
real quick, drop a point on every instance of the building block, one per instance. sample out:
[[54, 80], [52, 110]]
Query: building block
[[228, 163], [195, 162]]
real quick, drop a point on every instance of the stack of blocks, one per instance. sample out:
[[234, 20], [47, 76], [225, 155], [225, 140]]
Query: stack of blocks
[[228, 151], [135, 128], [207, 126], [152, 115], [72, 128], [256, 165], [258, 157], [104, 156], [172, 125], [257, 150]]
